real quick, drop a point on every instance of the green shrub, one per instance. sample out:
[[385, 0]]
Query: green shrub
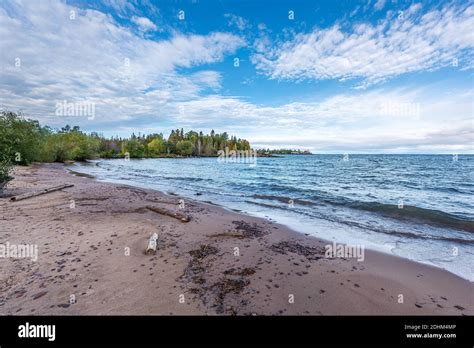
[[21, 139], [134, 147], [6, 167], [184, 148], [156, 147]]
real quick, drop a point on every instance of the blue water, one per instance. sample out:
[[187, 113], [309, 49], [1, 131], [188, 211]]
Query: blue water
[[419, 207]]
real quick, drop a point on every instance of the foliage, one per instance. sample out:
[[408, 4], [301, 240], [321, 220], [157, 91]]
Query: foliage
[[184, 148], [156, 147], [23, 141], [5, 169], [267, 152], [134, 147], [20, 139]]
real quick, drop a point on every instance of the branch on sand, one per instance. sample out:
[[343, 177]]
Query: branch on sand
[[176, 215], [41, 192]]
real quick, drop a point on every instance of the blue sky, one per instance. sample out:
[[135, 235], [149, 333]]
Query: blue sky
[[328, 76]]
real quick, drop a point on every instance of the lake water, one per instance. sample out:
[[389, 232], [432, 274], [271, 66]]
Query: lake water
[[419, 207]]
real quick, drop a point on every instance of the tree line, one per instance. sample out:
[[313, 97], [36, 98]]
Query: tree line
[[268, 152], [23, 141]]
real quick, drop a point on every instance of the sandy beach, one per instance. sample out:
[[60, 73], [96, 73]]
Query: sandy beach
[[91, 242]]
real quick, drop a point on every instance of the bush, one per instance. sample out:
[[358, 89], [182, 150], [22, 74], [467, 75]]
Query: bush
[[69, 146], [184, 148], [6, 167], [23, 141], [135, 148], [156, 147], [20, 139]]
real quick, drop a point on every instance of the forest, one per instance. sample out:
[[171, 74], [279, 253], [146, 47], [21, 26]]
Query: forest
[[23, 141]]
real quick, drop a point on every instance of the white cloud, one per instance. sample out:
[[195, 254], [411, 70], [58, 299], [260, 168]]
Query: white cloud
[[376, 121], [379, 5], [207, 78], [237, 21], [119, 6], [93, 58], [137, 85], [144, 23], [373, 53]]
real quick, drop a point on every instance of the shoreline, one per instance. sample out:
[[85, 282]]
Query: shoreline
[[196, 269], [306, 226]]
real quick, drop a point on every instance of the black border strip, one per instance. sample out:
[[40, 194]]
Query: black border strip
[[290, 330]]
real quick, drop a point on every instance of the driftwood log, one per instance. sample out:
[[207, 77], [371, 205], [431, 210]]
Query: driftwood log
[[151, 248], [176, 215], [40, 192], [159, 201]]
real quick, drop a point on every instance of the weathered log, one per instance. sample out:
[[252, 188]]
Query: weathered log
[[41, 192], [152, 244], [176, 215], [155, 200]]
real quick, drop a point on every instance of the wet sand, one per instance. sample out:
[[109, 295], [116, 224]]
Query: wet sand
[[91, 247]]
